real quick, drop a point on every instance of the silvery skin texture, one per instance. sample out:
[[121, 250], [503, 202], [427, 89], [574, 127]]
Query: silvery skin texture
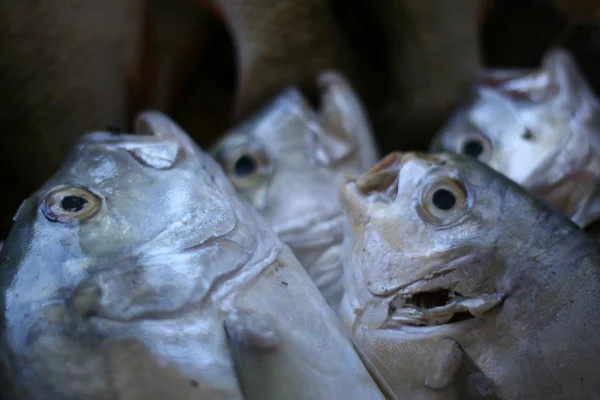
[[165, 284], [540, 128], [288, 161], [450, 263]]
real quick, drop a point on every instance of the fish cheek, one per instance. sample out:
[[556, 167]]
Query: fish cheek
[[385, 268], [71, 368]]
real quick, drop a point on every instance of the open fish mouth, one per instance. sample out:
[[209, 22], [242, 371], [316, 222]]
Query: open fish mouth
[[437, 307]]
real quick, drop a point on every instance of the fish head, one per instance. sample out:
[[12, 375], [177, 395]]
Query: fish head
[[442, 247], [421, 242], [539, 127], [287, 160], [131, 228]]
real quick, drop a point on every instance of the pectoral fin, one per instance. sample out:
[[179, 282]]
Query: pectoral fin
[[260, 360], [472, 383]]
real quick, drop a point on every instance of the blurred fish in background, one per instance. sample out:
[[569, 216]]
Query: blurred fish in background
[[69, 67]]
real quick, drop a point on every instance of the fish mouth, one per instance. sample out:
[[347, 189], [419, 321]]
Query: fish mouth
[[437, 307], [434, 300]]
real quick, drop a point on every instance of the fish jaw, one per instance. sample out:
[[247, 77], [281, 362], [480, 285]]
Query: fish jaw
[[386, 285], [442, 297]]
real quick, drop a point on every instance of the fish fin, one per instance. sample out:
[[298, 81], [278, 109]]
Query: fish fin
[[346, 125], [1, 244], [255, 345], [158, 156], [268, 367], [471, 381], [156, 144], [152, 122], [445, 361]]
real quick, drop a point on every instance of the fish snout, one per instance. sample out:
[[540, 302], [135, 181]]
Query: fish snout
[[87, 298], [381, 178]]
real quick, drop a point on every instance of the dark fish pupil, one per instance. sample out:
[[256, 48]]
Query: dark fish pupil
[[472, 148], [444, 199], [245, 165], [73, 203]]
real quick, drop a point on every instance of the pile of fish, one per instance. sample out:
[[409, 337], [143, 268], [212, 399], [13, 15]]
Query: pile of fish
[[292, 261]]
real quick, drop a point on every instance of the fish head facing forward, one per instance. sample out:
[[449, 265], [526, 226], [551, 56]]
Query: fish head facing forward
[[286, 159], [132, 228], [287, 162], [416, 225], [540, 128], [442, 246]]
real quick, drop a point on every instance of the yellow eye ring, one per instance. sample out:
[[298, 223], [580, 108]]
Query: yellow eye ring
[[70, 204], [443, 201]]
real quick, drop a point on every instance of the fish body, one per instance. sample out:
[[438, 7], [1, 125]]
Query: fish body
[[287, 162], [136, 268], [540, 128], [459, 281]]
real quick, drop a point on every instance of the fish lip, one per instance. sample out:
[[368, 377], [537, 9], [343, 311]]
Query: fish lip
[[96, 319], [464, 307], [402, 313]]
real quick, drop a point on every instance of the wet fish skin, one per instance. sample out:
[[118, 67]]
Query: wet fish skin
[[490, 267], [121, 271], [288, 160], [539, 127]]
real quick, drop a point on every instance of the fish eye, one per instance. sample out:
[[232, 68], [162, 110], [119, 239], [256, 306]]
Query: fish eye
[[527, 134], [443, 201], [70, 204], [475, 145], [472, 148], [245, 165]]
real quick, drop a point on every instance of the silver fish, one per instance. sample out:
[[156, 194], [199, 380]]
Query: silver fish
[[460, 284], [132, 272], [288, 161], [540, 128]]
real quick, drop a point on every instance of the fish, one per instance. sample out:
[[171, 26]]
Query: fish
[[540, 127], [288, 161], [451, 266], [67, 68], [138, 272]]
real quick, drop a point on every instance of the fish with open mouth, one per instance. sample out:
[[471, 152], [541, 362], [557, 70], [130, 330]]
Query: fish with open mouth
[[138, 272], [449, 264], [540, 128], [288, 162]]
